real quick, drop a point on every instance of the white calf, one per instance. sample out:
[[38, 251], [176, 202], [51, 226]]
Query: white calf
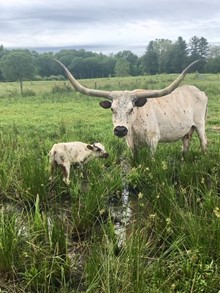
[[67, 153]]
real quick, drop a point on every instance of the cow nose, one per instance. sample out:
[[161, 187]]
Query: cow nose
[[120, 131]]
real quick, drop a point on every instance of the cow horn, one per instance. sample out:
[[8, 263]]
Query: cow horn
[[82, 89], [167, 90], [137, 93]]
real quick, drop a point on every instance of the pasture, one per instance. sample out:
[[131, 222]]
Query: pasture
[[59, 238]]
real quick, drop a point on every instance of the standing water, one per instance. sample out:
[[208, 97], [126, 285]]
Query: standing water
[[120, 209]]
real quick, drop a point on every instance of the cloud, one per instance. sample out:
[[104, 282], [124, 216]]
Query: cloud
[[117, 24]]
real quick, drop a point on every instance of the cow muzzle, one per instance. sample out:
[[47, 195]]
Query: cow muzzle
[[120, 131]]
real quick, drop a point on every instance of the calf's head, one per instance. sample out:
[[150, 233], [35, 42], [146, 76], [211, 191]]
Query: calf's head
[[98, 150]]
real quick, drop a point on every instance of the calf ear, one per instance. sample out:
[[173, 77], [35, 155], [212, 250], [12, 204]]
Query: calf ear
[[105, 104], [90, 147], [140, 102]]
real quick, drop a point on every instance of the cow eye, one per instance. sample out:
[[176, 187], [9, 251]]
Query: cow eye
[[130, 111]]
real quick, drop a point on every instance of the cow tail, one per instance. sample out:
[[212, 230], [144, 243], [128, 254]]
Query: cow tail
[[206, 112]]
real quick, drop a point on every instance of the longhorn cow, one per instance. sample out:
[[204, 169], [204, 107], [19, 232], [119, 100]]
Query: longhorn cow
[[152, 116]]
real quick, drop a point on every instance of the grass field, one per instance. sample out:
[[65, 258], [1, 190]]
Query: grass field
[[58, 238]]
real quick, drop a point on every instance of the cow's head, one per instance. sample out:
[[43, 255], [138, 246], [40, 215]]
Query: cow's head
[[124, 103], [123, 106]]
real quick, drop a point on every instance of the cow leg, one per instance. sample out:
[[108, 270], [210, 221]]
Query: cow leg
[[202, 137], [66, 173], [186, 140], [152, 143], [130, 144]]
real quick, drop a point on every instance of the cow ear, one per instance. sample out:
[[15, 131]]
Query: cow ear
[[90, 147], [105, 104], [140, 102]]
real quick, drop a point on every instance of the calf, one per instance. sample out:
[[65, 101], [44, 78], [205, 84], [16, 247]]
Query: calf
[[67, 153]]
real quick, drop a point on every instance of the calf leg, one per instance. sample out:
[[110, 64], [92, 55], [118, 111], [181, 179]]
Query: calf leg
[[53, 168], [66, 173]]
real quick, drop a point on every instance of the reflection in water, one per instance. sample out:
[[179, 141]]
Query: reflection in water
[[121, 208], [121, 213]]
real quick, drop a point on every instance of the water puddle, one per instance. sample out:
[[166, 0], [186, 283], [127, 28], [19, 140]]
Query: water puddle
[[121, 208]]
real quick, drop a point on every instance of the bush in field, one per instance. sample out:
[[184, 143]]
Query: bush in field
[[28, 93], [56, 77], [61, 89], [38, 77]]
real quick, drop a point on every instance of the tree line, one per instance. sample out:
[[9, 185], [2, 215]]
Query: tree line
[[161, 56]]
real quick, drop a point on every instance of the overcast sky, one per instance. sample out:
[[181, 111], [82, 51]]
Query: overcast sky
[[106, 25]]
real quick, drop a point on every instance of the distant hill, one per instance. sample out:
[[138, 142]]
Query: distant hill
[[104, 49]]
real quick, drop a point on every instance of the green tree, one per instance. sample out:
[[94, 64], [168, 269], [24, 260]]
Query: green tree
[[176, 57], [204, 48], [214, 51], [18, 65], [149, 61], [93, 67], [157, 57], [213, 60], [108, 65], [198, 49], [122, 67], [163, 47], [2, 52], [131, 58], [77, 67], [46, 66], [213, 65]]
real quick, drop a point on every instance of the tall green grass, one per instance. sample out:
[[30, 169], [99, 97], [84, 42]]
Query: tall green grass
[[58, 238]]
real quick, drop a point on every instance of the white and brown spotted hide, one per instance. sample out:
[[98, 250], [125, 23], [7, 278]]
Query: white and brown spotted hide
[[67, 153], [146, 117]]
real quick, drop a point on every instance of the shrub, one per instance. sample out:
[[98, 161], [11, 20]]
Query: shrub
[[38, 77], [55, 77], [61, 89], [28, 93]]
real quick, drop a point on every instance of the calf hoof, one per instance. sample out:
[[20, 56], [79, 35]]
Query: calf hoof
[[67, 181]]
